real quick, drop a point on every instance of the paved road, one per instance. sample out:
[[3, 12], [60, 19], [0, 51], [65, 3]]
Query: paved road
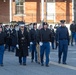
[[12, 67]]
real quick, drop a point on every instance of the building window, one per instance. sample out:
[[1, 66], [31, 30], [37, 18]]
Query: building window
[[19, 6], [50, 0]]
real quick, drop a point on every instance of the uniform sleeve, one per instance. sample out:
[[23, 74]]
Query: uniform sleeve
[[5, 37], [50, 37], [68, 38], [70, 27], [57, 34], [27, 37], [30, 35], [40, 36]]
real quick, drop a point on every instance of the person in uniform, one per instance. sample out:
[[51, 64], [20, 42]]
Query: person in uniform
[[34, 39], [2, 42], [38, 47], [22, 44], [62, 36], [45, 39], [52, 36], [73, 31], [56, 27], [8, 38], [0, 24], [14, 37]]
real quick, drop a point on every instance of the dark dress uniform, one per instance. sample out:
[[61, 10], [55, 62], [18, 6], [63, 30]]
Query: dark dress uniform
[[23, 46], [62, 36], [34, 38], [73, 32], [45, 38], [8, 39], [52, 37], [2, 42], [14, 39]]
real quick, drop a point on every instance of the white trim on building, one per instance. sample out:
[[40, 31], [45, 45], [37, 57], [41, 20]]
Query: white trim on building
[[51, 10], [42, 10], [72, 10], [10, 10]]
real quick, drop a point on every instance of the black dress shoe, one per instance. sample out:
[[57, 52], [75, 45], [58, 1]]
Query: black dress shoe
[[59, 62], [64, 63], [20, 63], [24, 64], [32, 61], [71, 44], [38, 62], [52, 48], [47, 65], [1, 65], [42, 64]]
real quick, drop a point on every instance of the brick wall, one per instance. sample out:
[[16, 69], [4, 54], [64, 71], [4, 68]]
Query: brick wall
[[33, 11], [64, 10], [4, 11]]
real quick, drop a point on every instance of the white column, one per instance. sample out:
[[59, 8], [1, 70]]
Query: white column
[[10, 10], [4, 0], [72, 10], [46, 10], [42, 10]]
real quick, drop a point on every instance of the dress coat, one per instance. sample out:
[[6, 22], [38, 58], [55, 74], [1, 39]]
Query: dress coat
[[23, 42], [14, 37]]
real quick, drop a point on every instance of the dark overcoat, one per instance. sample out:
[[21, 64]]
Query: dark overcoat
[[34, 35], [23, 42], [14, 37], [52, 35], [8, 39]]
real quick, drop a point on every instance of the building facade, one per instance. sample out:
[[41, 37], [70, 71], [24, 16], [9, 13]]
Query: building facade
[[36, 10]]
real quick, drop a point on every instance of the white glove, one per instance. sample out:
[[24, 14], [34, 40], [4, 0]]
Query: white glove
[[57, 42], [50, 43], [17, 46], [40, 43], [31, 43], [28, 47]]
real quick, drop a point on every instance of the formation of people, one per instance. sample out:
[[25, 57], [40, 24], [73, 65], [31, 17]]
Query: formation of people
[[37, 40]]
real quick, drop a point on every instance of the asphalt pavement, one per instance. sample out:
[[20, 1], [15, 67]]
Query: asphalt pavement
[[12, 67]]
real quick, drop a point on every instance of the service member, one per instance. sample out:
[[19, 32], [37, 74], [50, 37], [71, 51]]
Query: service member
[[22, 46], [73, 32], [34, 39], [45, 39], [2, 42], [62, 36]]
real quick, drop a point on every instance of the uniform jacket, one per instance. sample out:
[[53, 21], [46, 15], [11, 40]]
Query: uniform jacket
[[14, 37], [34, 35], [73, 28], [8, 37], [45, 35], [62, 33], [2, 38], [52, 35]]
